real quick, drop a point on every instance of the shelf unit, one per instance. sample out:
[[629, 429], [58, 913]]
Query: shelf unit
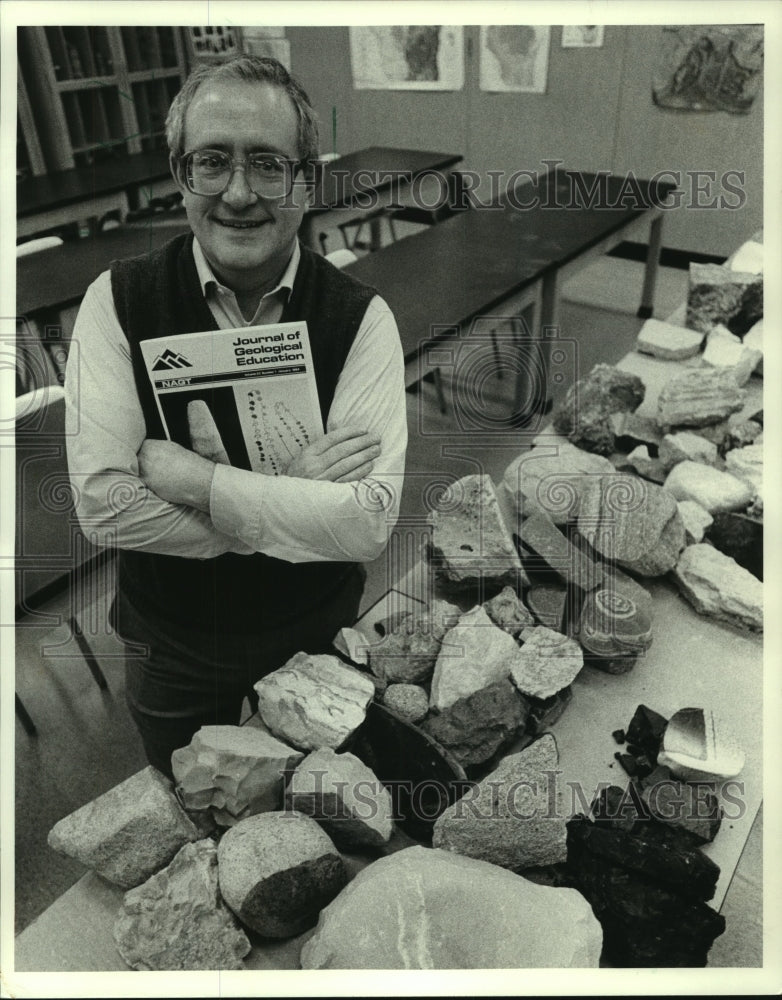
[[29, 155], [101, 92]]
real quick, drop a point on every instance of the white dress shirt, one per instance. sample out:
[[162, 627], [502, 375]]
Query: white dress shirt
[[299, 520]]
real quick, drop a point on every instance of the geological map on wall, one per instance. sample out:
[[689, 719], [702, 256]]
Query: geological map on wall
[[407, 57], [709, 67], [514, 57]]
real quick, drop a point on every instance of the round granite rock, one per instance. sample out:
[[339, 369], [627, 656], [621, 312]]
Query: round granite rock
[[408, 700]]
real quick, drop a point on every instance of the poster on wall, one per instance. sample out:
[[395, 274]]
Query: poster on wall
[[709, 67], [514, 58], [582, 36], [407, 57]]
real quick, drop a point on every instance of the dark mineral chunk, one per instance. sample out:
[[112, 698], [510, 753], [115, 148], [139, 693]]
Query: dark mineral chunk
[[646, 730], [619, 736], [620, 808], [547, 603], [611, 665], [741, 538], [544, 712], [635, 767], [547, 548], [682, 805], [585, 415]]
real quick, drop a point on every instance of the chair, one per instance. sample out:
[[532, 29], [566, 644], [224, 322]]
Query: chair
[[453, 202], [341, 258], [40, 243]]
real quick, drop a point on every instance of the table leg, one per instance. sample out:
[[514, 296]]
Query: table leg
[[646, 308]]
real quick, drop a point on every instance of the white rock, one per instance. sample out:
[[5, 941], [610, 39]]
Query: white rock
[[716, 585], [314, 701], [698, 747], [547, 662], [473, 655], [730, 353], [714, 490], [352, 644], [696, 519], [664, 340], [642, 462], [746, 464], [685, 446], [748, 258], [753, 338]]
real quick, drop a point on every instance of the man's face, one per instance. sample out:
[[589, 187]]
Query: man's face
[[240, 118]]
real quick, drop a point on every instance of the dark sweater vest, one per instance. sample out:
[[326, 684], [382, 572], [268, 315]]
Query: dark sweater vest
[[159, 294]]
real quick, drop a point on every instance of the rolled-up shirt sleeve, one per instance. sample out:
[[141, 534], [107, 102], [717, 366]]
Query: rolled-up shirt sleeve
[[302, 520]]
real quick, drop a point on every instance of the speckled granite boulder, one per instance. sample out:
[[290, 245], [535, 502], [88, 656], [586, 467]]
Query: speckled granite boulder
[[408, 652], [699, 397], [277, 871], [714, 490], [547, 662], [177, 919], [720, 295], [429, 909], [314, 701], [584, 416], [129, 832], [344, 796], [717, 586], [409, 701]]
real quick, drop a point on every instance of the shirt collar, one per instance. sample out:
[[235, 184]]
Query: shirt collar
[[209, 282]]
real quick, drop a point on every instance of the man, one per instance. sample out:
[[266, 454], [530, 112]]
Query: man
[[224, 574]]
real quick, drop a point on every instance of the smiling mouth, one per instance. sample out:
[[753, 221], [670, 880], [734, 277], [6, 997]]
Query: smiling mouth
[[241, 225]]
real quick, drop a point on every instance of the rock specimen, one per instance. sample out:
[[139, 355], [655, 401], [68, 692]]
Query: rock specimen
[[716, 585], [409, 701], [234, 770], [729, 353], [696, 520], [695, 747], [547, 603], [646, 466], [314, 701], [746, 464], [720, 295], [509, 818], [474, 654], [633, 522], [548, 549], [714, 490], [739, 434], [686, 447], [691, 808], [753, 339], [177, 919], [474, 728], [129, 832], [635, 428], [664, 340], [612, 625], [549, 478], [408, 652], [584, 416], [748, 258], [698, 397], [429, 909], [508, 611], [544, 712], [470, 544], [353, 645], [344, 796], [547, 662], [740, 537], [277, 871]]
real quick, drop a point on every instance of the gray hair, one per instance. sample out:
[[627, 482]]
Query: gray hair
[[251, 69]]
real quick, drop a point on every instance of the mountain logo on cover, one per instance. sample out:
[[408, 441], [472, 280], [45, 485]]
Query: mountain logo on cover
[[170, 359]]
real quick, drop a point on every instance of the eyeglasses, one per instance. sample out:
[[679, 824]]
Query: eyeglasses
[[209, 171]]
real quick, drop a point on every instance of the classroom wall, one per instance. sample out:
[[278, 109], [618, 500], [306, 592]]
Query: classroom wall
[[597, 114]]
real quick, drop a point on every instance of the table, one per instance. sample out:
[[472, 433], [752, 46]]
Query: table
[[69, 195]]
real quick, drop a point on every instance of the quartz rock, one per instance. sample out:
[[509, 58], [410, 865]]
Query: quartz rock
[[714, 490], [234, 770], [470, 544], [508, 818], [508, 611], [551, 550], [611, 625], [277, 871], [720, 295], [716, 585], [697, 747], [409, 701], [747, 464], [352, 644], [474, 728], [584, 416], [748, 258], [547, 662], [430, 909], [697, 397], [686, 447], [129, 832], [549, 478], [731, 354], [344, 796], [314, 701], [407, 654], [753, 339], [474, 654], [664, 340], [696, 519], [177, 919]]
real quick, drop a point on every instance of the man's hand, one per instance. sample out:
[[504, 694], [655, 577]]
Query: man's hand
[[342, 456], [204, 435], [176, 474]]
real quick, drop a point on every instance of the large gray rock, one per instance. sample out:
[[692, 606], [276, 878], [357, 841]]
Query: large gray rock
[[746, 464], [720, 295], [177, 919], [470, 542], [474, 654], [514, 817], [547, 662], [129, 832], [686, 447], [716, 585], [314, 701], [664, 340], [585, 415], [698, 397], [508, 611], [407, 654], [344, 796], [233, 770], [277, 871], [714, 490], [428, 909], [474, 728], [409, 701]]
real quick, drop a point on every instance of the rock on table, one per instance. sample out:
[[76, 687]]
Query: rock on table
[[716, 585]]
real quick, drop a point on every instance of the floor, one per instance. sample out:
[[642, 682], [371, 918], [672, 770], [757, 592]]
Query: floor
[[86, 742]]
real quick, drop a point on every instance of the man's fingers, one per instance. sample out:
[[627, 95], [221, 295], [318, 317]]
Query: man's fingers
[[356, 474], [337, 437], [204, 435], [344, 464]]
